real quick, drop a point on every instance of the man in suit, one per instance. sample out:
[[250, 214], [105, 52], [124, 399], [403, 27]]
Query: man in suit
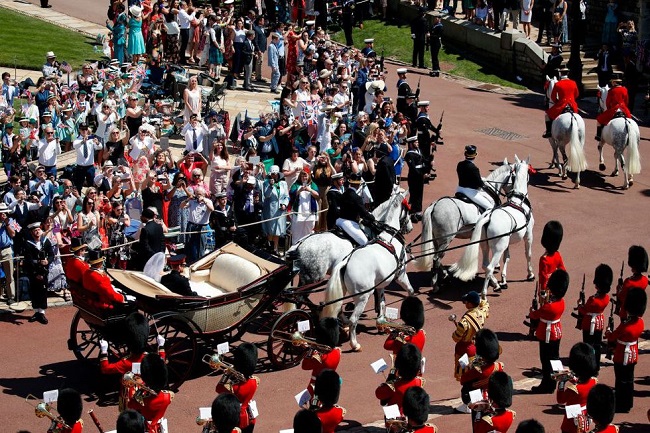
[[604, 68], [175, 280], [470, 182], [152, 238], [248, 54], [385, 176]]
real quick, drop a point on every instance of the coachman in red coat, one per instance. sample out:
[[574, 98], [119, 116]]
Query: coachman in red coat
[[617, 100], [564, 94]]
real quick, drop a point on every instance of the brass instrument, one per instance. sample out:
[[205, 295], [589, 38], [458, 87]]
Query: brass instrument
[[216, 363], [298, 339], [563, 376], [396, 425], [482, 408], [142, 391], [582, 423], [208, 426], [477, 362], [383, 324], [44, 410]]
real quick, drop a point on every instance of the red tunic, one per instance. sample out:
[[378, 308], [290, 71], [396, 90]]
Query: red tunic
[[244, 392], [478, 377], [498, 422], [330, 417], [637, 281], [626, 337], [76, 428], [592, 312], [549, 327], [153, 408], [327, 360], [565, 92], [75, 269], [389, 395], [609, 429], [574, 393], [549, 263], [99, 283], [617, 99], [395, 345], [426, 429]]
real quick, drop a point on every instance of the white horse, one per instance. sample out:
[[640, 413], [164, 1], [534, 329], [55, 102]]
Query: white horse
[[508, 223], [621, 133], [449, 217], [550, 83], [371, 267], [569, 129]]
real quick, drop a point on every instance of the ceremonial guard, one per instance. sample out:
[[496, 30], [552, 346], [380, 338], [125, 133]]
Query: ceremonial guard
[[625, 340], [470, 182], [551, 260], [637, 260], [327, 390], [76, 266], [225, 413], [150, 398], [416, 177], [352, 210], [592, 312], [403, 90], [369, 48], [327, 334], [419, 34], [97, 281], [435, 43], [407, 365], [38, 253], [549, 328], [335, 198], [574, 385], [601, 408], [69, 405], [472, 321], [416, 410], [412, 313], [175, 280], [497, 416], [482, 366], [564, 95], [245, 361], [425, 127]]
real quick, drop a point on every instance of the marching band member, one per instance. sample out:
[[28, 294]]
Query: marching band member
[[412, 313], [69, 406], [483, 365], [626, 352], [306, 421], [499, 418], [582, 366], [130, 421], [153, 401], [225, 412], [466, 328], [327, 333], [593, 318], [551, 259], [245, 361], [407, 366], [416, 410], [549, 328], [97, 281], [76, 266], [530, 426], [637, 260], [327, 390], [601, 406]]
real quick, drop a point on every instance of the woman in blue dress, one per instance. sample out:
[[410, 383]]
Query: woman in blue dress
[[136, 46], [119, 32], [274, 205]]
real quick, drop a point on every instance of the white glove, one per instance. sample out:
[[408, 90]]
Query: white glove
[[161, 341], [412, 35], [129, 298], [103, 347]]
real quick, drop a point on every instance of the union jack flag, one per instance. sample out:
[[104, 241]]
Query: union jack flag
[[307, 113]]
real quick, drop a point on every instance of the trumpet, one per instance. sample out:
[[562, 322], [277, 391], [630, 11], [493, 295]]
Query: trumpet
[[383, 324], [563, 376], [298, 339], [202, 421], [396, 425], [208, 426], [142, 391], [216, 363], [482, 408], [44, 410]]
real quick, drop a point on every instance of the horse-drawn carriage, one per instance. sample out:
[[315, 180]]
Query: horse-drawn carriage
[[238, 289]]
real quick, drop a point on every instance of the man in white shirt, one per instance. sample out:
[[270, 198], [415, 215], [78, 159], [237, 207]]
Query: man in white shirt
[[184, 22], [9, 91], [48, 151], [194, 131], [342, 99], [85, 148], [42, 186]]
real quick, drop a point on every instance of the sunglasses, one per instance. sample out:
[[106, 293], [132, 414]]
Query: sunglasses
[[49, 132], [196, 175], [90, 202]]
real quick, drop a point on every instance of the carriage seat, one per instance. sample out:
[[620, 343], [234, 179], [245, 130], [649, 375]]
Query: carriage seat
[[228, 273]]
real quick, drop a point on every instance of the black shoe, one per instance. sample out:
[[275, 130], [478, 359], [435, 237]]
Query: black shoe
[[34, 318], [42, 319], [542, 389], [597, 138], [547, 134]]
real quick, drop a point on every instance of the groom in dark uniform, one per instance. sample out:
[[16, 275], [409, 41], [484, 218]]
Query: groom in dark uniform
[[175, 280], [152, 238]]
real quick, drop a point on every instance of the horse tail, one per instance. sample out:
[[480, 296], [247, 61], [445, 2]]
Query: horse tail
[[334, 291], [633, 157], [465, 269], [427, 249], [577, 159]]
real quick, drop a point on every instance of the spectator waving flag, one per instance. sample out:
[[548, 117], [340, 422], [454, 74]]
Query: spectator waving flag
[[66, 67], [307, 113]]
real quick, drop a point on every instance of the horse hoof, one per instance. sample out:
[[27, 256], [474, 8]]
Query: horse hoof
[[497, 289], [602, 167], [530, 277], [504, 286], [357, 348], [631, 183], [614, 174], [564, 176], [576, 186]]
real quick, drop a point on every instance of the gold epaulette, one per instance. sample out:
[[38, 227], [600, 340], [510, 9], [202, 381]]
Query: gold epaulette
[[171, 394], [488, 419]]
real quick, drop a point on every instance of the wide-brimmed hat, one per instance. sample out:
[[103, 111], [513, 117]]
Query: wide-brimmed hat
[[324, 73], [4, 208], [274, 169], [135, 10], [50, 55], [94, 257], [76, 244], [377, 84]]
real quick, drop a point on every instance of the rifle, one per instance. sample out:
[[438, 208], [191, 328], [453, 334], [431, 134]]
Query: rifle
[[581, 301], [617, 310], [439, 139], [381, 61], [610, 328], [417, 91], [532, 323]]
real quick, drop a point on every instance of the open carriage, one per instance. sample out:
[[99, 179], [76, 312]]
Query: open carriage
[[240, 291]]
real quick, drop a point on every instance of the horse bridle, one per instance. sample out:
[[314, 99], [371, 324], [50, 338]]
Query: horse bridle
[[514, 194]]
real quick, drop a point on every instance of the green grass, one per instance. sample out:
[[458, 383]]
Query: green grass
[[395, 42], [25, 40]]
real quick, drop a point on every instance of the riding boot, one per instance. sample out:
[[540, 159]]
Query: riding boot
[[547, 133], [599, 130]]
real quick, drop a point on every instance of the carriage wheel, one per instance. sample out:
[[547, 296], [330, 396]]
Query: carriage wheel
[[180, 349], [84, 340], [283, 354]]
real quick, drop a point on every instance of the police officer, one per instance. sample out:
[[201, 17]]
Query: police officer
[[419, 34], [416, 177], [435, 43], [424, 127], [175, 280], [403, 90], [470, 182]]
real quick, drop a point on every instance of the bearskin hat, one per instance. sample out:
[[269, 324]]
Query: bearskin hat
[[500, 389], [408, 361], [635, 302], [154, 372], [558, 283], [328, 387], [637, 258], [130, 421], [552, 236], [226, 409], [415, 404], [582, 361], [601, 404], [306, 421], [137, 332], [327, 332], [69, 405], [487, 345], [245, 359], [530, 426], [603, 278], [412, 312]]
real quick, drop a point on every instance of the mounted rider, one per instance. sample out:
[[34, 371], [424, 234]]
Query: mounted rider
[[564, 95], [470, 182], [617, 102], [352, 211]]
